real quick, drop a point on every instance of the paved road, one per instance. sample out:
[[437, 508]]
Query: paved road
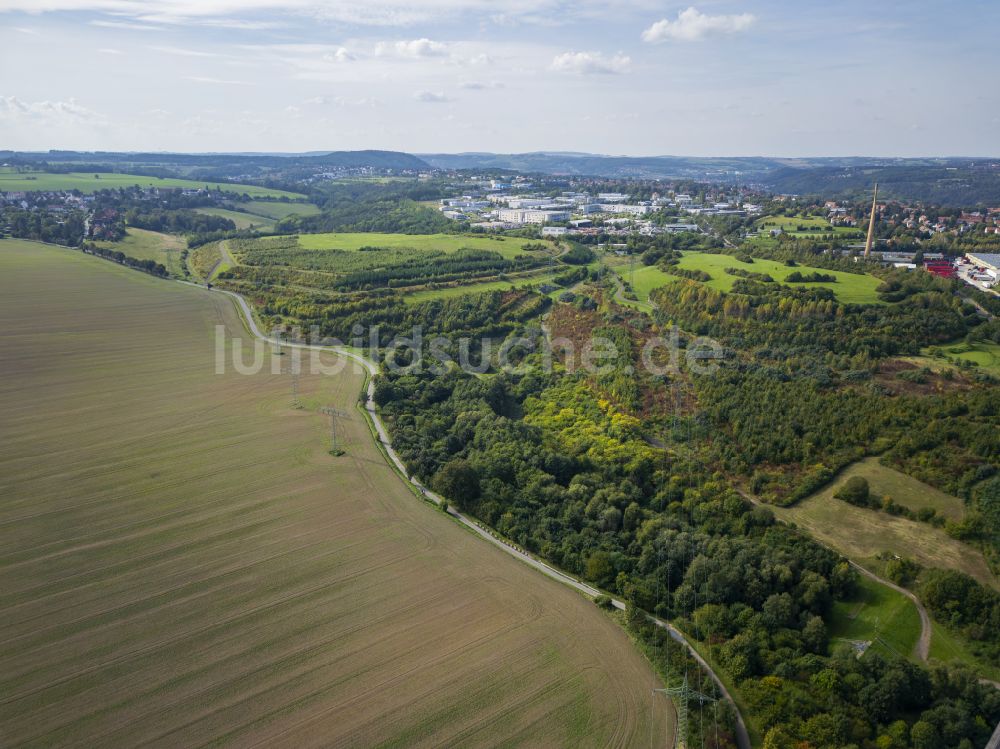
[[742, 735], [994, 742]]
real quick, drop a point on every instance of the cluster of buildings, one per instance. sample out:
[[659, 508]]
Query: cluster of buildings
[[497, 209], [916, 219]]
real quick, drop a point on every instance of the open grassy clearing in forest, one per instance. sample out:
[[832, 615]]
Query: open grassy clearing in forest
[[884, 481], [506, 246], [277, 209], [861, 533], [185, 564], [141, 244], [885, 620], [804, 226], [849, 287], [984, 354], [447, 292], [13, 181], [242, 220]]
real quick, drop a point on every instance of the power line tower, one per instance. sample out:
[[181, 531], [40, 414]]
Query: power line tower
[[681, 696], [334, 414]]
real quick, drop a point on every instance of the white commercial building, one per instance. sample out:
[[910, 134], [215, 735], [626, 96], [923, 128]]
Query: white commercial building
[[635, 210]]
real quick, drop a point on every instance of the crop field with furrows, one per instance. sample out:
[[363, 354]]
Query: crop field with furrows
[[185, 564], [165, 249], [15, 181]]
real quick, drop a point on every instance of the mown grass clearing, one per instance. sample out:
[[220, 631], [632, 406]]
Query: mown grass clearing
[[447, 292], [183, 562], [165, 249], [877, 615], [902, 489], [278, 209], [11, 181], [506, 246], [804, 226], [850, 288], [242, 220], [947, 646], [985, 355], [861, 534]]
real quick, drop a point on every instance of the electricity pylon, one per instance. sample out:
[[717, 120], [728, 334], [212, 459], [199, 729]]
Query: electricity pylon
[[681, 696], [333, 413]]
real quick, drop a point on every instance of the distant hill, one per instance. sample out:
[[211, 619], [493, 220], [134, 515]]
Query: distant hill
[[962, 182], [621, 167], [395, 160]]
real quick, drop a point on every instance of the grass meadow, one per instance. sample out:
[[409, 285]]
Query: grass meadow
[[141, 244], [185, 564], [849, 287], [861, 533], [276, 209], [242, 220], [506, 246], [878, 615], [13, 181]]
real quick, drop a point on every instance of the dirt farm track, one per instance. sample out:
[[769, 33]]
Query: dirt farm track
[[183, 563]]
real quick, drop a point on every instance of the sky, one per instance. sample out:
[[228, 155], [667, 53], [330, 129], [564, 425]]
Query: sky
[[623, 77]]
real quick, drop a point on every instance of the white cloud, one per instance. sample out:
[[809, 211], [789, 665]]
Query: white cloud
[[110, 51], [222, 81], [481, 86], [184, 52], [47, 112], [591, 63], [125, 25], [341, 54], [431, 97], [24, 30], [692, 25], [416, 48]]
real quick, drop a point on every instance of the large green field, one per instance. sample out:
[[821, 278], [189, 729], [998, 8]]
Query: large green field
[[805, 226], [165, 249], [506, 246], [12, 181], [276, 209], [849, 287], [242, 220], [185, 564], [876, 618]]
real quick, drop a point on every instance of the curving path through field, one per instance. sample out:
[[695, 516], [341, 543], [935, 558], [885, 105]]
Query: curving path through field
[[924, 643], [742, 735]]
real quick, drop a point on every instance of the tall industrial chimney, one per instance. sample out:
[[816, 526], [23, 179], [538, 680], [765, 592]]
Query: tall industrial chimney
[[871, 225]]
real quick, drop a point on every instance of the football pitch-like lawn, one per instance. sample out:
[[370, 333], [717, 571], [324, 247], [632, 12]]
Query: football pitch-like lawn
[[185, 564], [88, 182]]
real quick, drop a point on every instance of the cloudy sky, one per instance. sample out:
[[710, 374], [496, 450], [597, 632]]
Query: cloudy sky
[[636, 77]]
